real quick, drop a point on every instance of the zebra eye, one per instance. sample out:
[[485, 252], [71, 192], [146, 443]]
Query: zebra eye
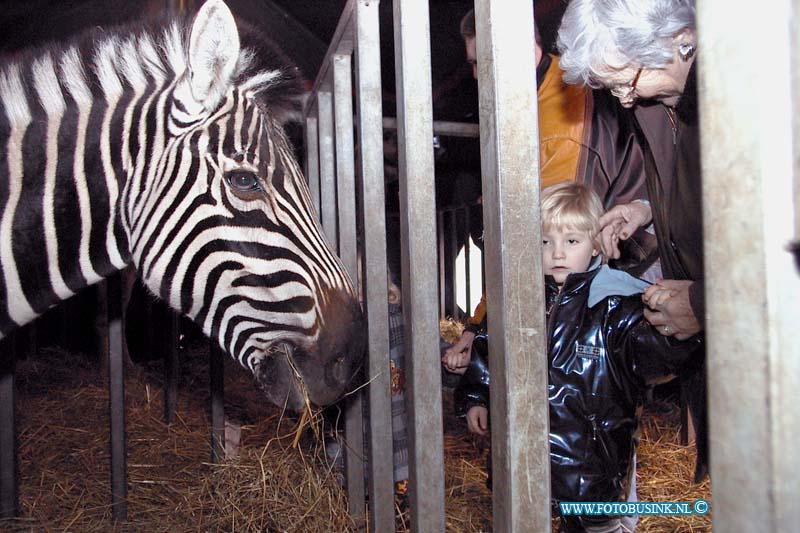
[[243, 181]]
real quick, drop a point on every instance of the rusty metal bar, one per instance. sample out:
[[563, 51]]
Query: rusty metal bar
[[418, 236], [369, 107], [515, 295], [750, 202]]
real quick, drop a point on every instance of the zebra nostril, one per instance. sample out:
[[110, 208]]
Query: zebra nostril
[[338, 369]]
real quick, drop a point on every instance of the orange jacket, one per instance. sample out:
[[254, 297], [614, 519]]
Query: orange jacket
[[563, 113]]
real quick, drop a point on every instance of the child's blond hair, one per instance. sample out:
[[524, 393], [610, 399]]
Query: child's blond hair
[[572, 205]]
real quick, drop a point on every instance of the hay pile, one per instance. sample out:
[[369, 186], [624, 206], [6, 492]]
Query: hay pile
[[272, 486], [63, 439]]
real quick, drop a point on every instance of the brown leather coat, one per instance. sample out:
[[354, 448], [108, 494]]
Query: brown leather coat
[[671, 142]]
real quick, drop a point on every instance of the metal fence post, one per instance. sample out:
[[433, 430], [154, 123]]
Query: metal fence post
[[750, 161], [418, 236], [515, 292]]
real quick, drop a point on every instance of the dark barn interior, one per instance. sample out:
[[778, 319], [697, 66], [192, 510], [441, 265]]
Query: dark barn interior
[[173, 486]]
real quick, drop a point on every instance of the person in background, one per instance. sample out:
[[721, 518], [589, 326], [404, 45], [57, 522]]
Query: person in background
[[398, 394], [602, 358], [644, 52], [584, 136]]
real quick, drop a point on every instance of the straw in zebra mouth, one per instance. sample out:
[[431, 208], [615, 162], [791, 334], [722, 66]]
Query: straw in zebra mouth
[[281, 380]]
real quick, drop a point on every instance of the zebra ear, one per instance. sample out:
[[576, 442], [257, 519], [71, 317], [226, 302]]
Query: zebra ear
[[213, 52]]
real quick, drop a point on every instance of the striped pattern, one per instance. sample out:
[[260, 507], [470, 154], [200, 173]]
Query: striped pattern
[[107, 157]]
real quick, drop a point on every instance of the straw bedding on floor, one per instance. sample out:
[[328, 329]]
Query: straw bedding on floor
[[281, 480]]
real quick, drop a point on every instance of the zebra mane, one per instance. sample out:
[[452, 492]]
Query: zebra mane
[[107, 61]]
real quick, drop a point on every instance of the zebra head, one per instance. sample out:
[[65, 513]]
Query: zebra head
[[221, 225], [165, 148]]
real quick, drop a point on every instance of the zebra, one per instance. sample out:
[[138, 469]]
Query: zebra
[[162, 146]]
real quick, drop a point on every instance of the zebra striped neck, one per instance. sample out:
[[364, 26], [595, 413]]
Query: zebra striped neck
[[81, 128], [65, 159]]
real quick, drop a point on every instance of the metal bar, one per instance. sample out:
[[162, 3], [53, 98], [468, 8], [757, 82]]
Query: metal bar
[[451, 259], [442, 127], [327, 168], [312, 160], [345, 161], [171, 367], [217, 382], [9, 490], [373, 223], [749, 162], [440, 260], [341, 43], [418, 236], [116, 386], [345, 182], [515, 295], [467, 265]]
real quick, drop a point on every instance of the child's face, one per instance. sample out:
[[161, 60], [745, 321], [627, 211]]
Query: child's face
[[566, 251]]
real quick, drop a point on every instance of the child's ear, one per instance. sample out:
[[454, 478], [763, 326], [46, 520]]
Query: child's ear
[[595, 252]]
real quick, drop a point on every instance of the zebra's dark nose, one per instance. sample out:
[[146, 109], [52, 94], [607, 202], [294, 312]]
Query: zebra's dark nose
[[340, 352]]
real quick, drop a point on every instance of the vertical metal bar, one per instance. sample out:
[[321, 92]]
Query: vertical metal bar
[[116, 386], [373, 222], [418, 237], [9, 491], [467, 264], [441, 258], [794, 46], [515, 294], [217, 382], [452, 255], [345, 183], [171, 367], [327, 169], [752, 285], [312, 160], [345, 161]]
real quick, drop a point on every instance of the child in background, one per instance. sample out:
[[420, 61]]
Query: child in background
[[603, 356]]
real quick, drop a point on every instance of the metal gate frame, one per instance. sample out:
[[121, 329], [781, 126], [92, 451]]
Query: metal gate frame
[[751, 194], [510, 199]]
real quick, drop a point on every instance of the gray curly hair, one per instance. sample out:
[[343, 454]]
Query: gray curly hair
[[598, 35]]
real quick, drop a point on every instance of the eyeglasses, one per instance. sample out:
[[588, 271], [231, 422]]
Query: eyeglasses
[[624, 92]]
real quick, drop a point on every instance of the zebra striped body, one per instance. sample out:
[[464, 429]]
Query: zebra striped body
[[164, 149]]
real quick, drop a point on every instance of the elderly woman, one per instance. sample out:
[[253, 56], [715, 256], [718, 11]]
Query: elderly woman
[[644, 52]]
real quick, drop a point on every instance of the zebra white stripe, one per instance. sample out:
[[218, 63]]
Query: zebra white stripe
[[19, 116], [74, 77]]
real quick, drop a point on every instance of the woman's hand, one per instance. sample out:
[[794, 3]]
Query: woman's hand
[[619, 223], [456, 358], [478, 419], [670, 310]]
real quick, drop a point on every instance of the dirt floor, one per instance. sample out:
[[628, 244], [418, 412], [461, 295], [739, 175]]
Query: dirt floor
[[274, 485]]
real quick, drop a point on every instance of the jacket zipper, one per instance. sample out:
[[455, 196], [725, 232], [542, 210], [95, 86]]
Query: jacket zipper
[[551, 317]]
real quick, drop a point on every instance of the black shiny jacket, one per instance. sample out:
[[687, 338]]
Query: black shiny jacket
[[602, 360]]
